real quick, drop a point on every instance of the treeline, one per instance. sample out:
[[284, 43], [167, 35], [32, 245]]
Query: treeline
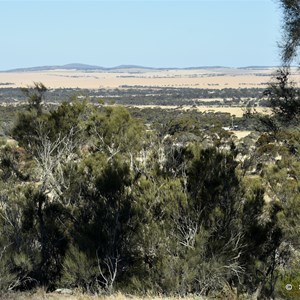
[[150, 96], [92, 199]]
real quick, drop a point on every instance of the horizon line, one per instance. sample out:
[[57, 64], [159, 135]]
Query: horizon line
[[83, 66]]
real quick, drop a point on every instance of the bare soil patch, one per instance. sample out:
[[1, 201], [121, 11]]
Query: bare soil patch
[[233, 110]]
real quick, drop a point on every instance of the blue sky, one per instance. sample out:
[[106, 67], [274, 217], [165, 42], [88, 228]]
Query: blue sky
[[153, 33]]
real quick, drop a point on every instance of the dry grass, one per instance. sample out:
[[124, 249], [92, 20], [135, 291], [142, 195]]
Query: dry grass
[[42, 295]]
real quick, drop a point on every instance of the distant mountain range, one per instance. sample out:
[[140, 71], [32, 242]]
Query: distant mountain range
[[76, 66], [85, 67]]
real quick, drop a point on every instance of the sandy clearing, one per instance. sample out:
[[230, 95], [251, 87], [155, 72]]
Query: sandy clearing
[[241, 133], [237, 111]]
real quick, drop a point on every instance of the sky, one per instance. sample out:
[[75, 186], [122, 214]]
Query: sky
[[157, 33]]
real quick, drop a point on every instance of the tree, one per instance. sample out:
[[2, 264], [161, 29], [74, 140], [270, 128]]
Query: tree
[[283, 94], [35, 96], [284, 99], [280, 179], [291, 36]]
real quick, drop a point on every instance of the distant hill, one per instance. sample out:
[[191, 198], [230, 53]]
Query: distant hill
[[130, 67], [83, 67], [75, 66], [257, 68]]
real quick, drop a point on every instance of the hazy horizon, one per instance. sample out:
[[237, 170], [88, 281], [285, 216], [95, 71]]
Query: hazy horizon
[[133, 66]]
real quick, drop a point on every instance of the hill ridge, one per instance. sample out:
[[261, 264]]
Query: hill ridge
[[87, 67]]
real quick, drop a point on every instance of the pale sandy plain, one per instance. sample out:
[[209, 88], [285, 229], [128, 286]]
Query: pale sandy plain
[[217, 78], [204, 78]]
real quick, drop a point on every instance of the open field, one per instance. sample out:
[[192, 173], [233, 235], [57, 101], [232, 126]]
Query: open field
[[217, 78]]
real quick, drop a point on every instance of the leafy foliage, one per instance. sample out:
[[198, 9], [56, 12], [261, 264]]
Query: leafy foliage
[[291, 38]]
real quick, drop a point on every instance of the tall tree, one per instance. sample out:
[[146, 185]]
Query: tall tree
[[283, 94], [291, 36]]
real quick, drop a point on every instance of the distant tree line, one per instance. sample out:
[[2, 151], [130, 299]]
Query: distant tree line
[[149, 96]]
